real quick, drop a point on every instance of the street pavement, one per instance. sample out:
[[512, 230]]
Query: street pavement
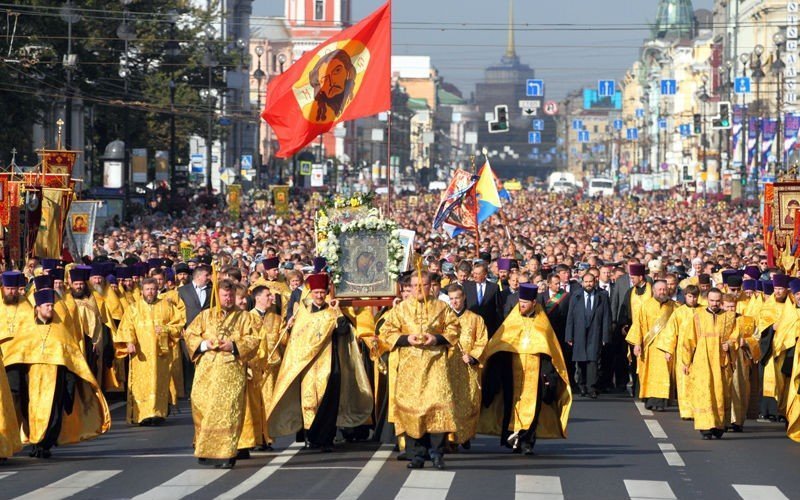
[[616, 450]]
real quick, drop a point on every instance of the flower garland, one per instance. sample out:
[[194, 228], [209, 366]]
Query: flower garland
[[353, 201], [329, 248]]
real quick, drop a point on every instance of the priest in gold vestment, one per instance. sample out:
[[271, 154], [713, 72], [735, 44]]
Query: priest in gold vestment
[[793, 398], [653, 365], [322, 383], [420, 331], [9, 426], [220, 341], [264, 370], [741, 362], [54, 391], [150, 329], [707, 358], [466, 367], [538, 403], [773, 348], [672, 340]]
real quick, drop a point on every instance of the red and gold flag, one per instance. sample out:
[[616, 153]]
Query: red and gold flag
[[346, 77]]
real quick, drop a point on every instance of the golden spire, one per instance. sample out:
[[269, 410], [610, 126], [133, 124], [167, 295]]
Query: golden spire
[[510, 49]]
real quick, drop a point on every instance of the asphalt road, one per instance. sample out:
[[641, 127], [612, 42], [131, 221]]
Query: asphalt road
[[613, 452]]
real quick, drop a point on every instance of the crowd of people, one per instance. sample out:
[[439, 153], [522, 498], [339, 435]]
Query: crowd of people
[[662, 299]]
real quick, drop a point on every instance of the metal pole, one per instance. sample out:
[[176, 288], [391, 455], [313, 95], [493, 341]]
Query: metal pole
[[389, 164], [172, 130], [745, 133], [209, 139], [779, 157]]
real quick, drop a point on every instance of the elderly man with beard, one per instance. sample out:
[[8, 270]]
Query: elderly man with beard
[[88, 314], [148, 333], [220, 341], [14, 309], [706, 358], [653, 369]]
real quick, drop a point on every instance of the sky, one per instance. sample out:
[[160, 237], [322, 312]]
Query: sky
[[569, 43]]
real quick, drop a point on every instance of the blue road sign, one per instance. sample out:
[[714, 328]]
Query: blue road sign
[[538, 124], [606, 88], [534, 88], [534, 137], [535, 151], [577, 124], [618, 124], [685, 129], [669, 87], [662, 123], [640, 113], [742, 85], [583, 136], [246, 162], [632, 134]]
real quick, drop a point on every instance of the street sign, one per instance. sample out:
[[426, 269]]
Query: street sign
[[577, 124], [632, 134], [685, 129], [640, 113], [534, 137], [534, 88], [742, 85], [246, 162], [662, 123], [618, 124], [529, 112], [583, 136], [538, 124], [529, 104], [669, 87], [550, 108], [606, 88]]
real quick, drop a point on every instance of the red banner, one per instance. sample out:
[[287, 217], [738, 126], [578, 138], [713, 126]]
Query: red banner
[[346, 77]]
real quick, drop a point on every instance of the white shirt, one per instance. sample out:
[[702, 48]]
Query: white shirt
[[201, 293]]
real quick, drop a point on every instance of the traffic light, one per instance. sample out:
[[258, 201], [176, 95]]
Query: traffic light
[[723, 119], [500, 122], [698, 123]]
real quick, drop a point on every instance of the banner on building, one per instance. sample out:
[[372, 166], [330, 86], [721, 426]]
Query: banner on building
[[235, 200], [791, 129], [280, 199], [769, 129], [80, 227]]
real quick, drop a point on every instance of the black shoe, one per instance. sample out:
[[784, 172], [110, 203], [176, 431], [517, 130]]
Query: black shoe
[[146, 422], [326, 448], [466, 445], [416, 463], [584, 393], [438, 462], [516, 450], [39, 452], [736, 428], [527, 449], [772, 418], [706, 435], [264, 447], [717, 433], [310, 446], [226, 464], [243, 454], [157, 421], [593, 395], [403, 456]]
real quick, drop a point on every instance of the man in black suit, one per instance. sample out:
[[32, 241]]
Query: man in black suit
[[588, 329], [195, 297], [483, 297]]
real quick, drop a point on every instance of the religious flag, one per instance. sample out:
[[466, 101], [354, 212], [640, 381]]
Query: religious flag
[[234, 200], [80, 227], [501, 191], [280, 199], [460, 187], [488, 197], [344, 78], [50, 230]]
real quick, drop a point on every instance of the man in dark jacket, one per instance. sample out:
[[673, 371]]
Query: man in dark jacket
[[195, 296], [588, 328]]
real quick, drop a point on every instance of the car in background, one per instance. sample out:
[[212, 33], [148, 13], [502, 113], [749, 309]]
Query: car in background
[[600, 186]]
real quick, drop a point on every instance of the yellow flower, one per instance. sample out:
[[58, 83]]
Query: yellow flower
[[353, 202]]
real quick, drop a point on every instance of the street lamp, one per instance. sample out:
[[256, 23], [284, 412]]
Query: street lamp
[[745, 60], [209, 94], [778, 66], [259, 75], [704, 97], [172, 50], [758, 74]]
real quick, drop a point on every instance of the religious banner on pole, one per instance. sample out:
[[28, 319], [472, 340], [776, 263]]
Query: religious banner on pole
[[80, 227], [280, 199], [48, 237], [234, 200]]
